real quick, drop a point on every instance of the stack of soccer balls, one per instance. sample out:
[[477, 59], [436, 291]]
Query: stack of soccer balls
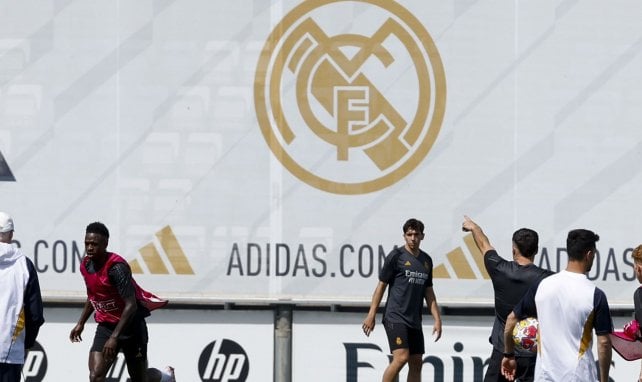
[[525, 335]]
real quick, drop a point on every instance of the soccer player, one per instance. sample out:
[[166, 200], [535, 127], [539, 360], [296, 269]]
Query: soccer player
[[120, 307], [569, 307], [408, 272], [511, 280], [21, 312]]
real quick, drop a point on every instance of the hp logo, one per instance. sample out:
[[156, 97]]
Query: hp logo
[[223, 361]]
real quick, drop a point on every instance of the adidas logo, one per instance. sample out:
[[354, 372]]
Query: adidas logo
[[458, 266], [156, 262]]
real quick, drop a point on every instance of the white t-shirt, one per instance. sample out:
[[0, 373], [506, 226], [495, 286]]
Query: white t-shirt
[[568, 307]]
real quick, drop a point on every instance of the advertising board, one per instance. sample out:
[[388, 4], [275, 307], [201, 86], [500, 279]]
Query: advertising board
[[201, 345], [221, 346], [271, 150]]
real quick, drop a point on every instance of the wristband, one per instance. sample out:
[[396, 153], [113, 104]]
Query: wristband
[[509, 355]]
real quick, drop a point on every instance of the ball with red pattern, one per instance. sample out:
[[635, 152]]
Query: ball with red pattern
[[525, 334]]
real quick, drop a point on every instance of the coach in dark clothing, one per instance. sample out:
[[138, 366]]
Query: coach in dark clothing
[[511, 279]]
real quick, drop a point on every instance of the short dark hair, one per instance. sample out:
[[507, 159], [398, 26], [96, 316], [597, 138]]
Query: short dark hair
[[527, 241], [98, 228], [414, 224], [580, 241]]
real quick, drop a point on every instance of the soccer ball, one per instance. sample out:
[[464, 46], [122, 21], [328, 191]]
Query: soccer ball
[[525, 334]]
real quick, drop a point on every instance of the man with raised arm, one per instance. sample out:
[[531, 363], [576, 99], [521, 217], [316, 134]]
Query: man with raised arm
[[511, 280]]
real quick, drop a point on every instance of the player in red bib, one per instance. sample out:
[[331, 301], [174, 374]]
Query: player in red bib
[[119, 306]]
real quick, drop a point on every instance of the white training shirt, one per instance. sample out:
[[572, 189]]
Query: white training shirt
[[569, 307]]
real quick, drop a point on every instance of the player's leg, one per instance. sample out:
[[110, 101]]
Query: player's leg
[[415, 362], [98, 366], [136, 360], [416, 350], [398, 341], [135, 351], [399, 359]]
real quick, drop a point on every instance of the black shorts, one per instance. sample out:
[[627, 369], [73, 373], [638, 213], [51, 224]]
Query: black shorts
[[133, 340], [401, 336], [525, 368], [10, 372]]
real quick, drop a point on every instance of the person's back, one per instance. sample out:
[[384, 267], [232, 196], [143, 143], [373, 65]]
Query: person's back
[[569, 308], [565, 308], [510, 282]]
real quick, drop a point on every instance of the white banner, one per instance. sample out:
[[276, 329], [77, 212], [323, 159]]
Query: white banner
[[202, 345], [272, 150], [206, 345], [343, 353]]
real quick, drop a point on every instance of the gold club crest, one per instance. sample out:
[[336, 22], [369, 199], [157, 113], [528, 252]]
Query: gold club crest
[[350, 94]]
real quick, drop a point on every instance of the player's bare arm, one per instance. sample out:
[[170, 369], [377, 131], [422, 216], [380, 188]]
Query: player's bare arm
[[433, 306], [604, 353], [431, 302], [509, 365], [369, 323], [481, 240], [75, 335]]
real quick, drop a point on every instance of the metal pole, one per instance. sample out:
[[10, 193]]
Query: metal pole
[[283, 343]]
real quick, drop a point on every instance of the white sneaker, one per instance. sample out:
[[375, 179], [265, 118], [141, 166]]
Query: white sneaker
[[167, 374]]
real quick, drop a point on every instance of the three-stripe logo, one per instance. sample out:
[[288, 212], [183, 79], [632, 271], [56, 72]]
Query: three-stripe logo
[[458, 265], [171, 255]]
